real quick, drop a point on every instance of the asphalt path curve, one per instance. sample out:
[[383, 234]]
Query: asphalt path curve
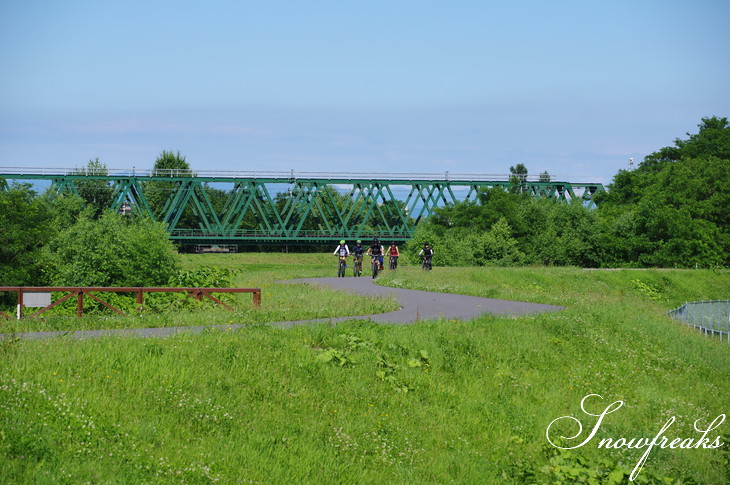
[[427, 305], [415, 305]]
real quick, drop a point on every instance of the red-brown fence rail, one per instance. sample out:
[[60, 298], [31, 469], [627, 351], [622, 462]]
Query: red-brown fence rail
[[81, 292]]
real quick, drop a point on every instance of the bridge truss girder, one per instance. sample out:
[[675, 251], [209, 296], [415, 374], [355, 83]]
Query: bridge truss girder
[[306, 211]]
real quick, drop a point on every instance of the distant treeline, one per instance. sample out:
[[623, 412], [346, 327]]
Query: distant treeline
[[672, 211]]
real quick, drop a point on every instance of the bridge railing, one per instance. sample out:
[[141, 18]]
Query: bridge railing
[[279, 175]]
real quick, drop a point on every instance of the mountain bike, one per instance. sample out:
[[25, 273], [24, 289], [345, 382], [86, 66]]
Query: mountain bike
[[393, 262], [357, 269], [342, 266], [426, 264], [375, 263]]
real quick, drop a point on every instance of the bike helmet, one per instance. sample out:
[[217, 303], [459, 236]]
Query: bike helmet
[[342, 242], [359, 241], [375, 240]]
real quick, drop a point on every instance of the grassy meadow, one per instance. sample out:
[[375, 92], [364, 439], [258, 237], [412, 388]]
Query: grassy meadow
[[435, 402]]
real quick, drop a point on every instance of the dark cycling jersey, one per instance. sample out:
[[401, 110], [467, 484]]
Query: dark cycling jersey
[[376, 250], [358, 250]]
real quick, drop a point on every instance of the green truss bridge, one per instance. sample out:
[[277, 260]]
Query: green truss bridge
[[286, 207]]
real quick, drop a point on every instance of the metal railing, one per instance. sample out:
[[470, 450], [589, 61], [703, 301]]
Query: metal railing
[[710, 317], [281, 175]]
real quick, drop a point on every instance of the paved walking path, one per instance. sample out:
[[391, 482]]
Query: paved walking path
[[427, 305], [415, 305]]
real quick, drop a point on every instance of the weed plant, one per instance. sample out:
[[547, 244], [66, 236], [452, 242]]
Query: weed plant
[[434, 402]]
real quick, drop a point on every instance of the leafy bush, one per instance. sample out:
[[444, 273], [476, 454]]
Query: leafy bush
[[114, 250], [497, 246], [203, 277], [468, 247]]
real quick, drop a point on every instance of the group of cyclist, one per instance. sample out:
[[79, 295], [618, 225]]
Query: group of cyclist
[[376, 252]]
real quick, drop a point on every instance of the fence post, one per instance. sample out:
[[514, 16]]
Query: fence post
[[714, 317], [702, 317], [20, 303], [79, 302]]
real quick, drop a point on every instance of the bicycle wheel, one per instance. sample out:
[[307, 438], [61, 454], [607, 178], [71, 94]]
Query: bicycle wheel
[[375, 267], [341, 270]]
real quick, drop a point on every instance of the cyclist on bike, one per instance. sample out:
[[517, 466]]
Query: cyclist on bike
[[427, 254], [357, 252], [393, 253], [376, 251], [343, 252], [342, 249]]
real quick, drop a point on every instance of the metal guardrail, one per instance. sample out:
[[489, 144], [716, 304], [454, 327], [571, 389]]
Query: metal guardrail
[[80, 292], [710, 317]]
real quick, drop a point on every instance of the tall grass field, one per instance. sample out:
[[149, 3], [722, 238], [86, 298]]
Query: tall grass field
[[445, 401]]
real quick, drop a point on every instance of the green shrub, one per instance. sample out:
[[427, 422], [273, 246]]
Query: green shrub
[[114, 250]]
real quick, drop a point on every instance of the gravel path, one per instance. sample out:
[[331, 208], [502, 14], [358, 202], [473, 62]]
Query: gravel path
[[415, 305]]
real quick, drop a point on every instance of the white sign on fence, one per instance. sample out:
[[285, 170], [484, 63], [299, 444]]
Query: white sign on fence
[[36, 299]]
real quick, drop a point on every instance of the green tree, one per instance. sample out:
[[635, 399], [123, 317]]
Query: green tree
[[560, 234], [96, 192], [672, 210], [169, 164], [27, 225], [518, 178], [712, 141], [492, 204], [66, 209], [160, 193]]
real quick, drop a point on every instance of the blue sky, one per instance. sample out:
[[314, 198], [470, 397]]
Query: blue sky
[[574, 88]]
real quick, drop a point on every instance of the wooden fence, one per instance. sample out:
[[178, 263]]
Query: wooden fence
[[81, 292]]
